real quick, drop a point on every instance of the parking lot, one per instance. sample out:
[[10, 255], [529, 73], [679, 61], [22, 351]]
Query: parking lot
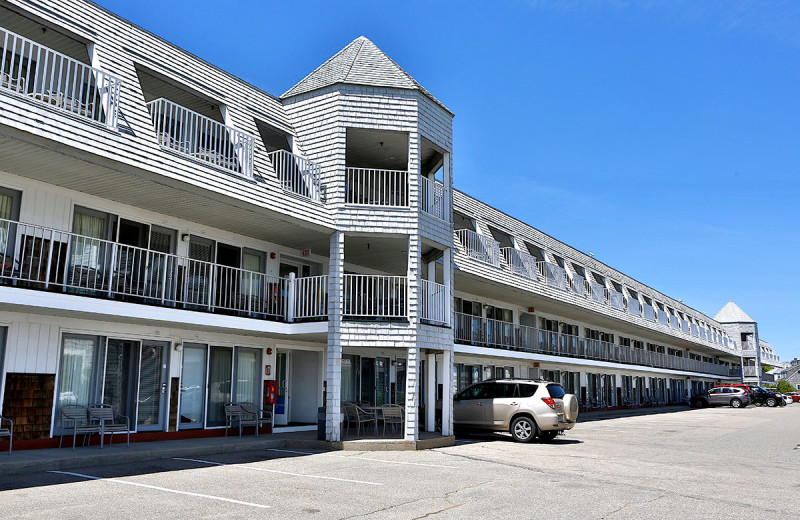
[[709, 463]]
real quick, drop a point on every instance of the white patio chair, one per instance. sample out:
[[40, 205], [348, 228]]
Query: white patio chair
[[109, 422], [7, 432]]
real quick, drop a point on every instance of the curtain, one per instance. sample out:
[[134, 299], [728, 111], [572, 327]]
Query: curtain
[[219, 384], [247, 377], [348, 379], [118, 385], [251, 283], [86, 251], [149, 404], [77, 367], [6, 207]]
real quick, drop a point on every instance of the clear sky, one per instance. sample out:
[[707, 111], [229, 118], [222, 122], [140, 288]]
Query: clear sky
[[661, 135]]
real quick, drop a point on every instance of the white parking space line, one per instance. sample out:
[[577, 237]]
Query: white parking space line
[[350, 457], [158, 488], [211, 463]]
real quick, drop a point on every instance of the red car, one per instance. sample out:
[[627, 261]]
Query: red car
[[795, 396]]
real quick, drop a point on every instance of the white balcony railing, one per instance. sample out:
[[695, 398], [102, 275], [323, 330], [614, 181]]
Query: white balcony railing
[[479, 247], [555, 275], [634, 307], [478, 331], [520, 262], [310, 297], [49, 77], [578, 284], [649, 312], [750, 371], [37, 257], [376, 187], [432, 199], [616, 299], [202, 138], [375, 296], [599, 292], [297, 174], [434, 308]]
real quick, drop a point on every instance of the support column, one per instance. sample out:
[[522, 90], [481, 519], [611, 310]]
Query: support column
[[430, 393], [447, 392], [412, 396], [333, 365], [447, 281]]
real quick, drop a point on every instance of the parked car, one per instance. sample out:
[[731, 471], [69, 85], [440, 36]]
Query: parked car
[[524, 407], [721, 396], [795, 396], [762, 396]]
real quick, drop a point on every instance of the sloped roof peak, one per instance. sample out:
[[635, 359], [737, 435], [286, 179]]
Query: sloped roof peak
[[732, 313], [360, 62]]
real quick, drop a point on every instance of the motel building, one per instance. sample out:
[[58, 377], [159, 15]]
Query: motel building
[[174, 239]]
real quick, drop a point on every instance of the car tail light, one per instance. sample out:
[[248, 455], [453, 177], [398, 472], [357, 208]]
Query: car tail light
[[549, 401]]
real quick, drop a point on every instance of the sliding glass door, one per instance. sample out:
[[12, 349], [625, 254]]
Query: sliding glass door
[[193, 386], [153, 378], [219, 384]]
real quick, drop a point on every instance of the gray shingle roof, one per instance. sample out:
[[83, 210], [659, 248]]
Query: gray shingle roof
[[361, 62], [731, 313]]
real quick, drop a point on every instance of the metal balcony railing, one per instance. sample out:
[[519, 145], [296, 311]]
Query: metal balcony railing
[[478, 331], [479, 247], [37, 257], [616, 299], [372, 187], [297, 174], [432, 198], [202, 138], [375, 297], [555, 275], [51, 78], [520, 262], [434, 308]]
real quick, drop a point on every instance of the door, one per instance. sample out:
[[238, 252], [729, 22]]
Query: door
[[153, 378], [121, 376], [469, 405], [193, 386], [228, 277], [367, 393], [503, 404], [220, 379], [282, 377]]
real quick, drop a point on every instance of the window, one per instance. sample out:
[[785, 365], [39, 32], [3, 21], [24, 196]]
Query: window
[[504, 239], [480, 391], [462, 222], [502, 390], [527, 390], [9, 211]]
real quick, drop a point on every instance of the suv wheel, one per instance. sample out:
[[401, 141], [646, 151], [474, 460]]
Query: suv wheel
[[523, 429], [771, 402], [736, 403]]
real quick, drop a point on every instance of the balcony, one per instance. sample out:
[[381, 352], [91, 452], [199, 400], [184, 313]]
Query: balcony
[[520, 262], [649, 312], [616, 299], [43, 258], [479, 247], [483, 332], [434, 308], [201, 138], [371, 187], [432, 198], [599, 292], [750, 371], [375, 297], [634, 307], [297, 174], [53, 79], [555, 275]]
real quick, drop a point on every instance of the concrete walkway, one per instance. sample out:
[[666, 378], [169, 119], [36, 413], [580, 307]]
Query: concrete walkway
[[32, 461]]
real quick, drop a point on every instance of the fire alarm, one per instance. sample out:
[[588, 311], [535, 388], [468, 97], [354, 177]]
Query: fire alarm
[[272, 256], [306, 252], [536, 365], [269, 351], [531, 309]]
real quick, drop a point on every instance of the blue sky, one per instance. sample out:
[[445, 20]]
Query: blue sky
[[660, 135]]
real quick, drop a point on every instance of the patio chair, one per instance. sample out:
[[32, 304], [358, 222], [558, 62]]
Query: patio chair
[[233, 412], [109, 422], [392, 414], [78, 416], [7, 432], [255, 416], [358, 416]]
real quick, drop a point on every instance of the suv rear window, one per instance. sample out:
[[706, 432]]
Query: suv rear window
[[556, 392], [527, 390]]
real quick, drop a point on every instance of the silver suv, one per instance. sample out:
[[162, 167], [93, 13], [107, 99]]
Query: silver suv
[[526, 408]]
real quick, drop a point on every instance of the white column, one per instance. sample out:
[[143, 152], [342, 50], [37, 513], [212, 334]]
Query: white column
[[412, 396], [430, 393], [333, 368], [447, 269], [447, 392]]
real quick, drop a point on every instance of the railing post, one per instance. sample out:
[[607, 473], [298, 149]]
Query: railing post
[[291, 298], [49, 261], [111, 267]]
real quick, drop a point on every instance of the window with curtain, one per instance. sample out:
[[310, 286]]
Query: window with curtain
[[87, 248], [6, 209], [251, 282], [247, 376], [348, 378], [78, 360]]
